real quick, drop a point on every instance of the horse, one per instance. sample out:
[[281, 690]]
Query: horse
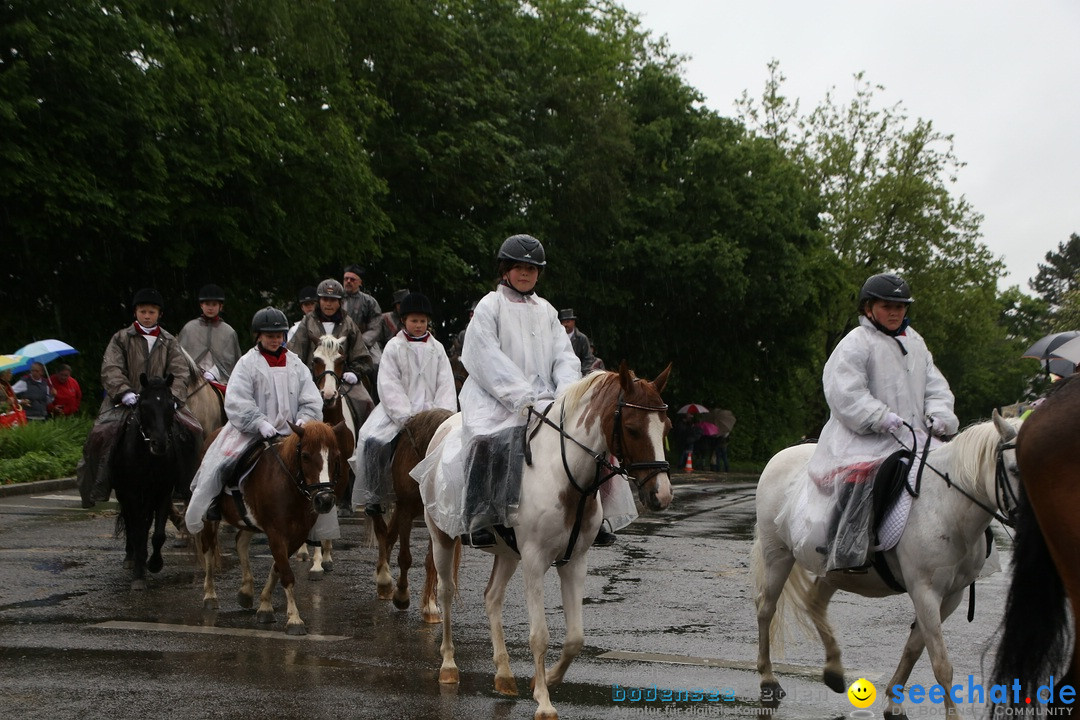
[[292, 482], [559, 512], [412, 445], [154, 457], [945, 530], [1037, 639]]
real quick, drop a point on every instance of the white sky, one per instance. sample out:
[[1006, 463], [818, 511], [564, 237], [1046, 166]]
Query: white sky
[[1003, 77]]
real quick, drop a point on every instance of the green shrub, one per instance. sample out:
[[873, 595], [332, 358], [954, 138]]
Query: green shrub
[[42, 450]]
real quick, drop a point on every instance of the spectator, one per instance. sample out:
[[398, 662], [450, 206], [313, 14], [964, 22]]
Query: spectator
[[578, 340], [11, 412], [67, 392], [35, 393]]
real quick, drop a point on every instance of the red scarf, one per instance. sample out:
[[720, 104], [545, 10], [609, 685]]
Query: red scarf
[[155, 331], [210, 320], [422, 338], [274, 359]]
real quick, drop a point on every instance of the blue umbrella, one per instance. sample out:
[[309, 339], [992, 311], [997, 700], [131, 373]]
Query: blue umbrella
[[45, 351]]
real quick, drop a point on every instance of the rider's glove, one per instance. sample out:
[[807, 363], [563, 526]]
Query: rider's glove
[[209, 375], [349, 376], [935, 426], [266, 429], [129, 398], [891, 422]]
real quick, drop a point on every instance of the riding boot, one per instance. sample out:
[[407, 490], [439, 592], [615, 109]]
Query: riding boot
[[482, 538], [604, 537], [214, 511], [374, 510]]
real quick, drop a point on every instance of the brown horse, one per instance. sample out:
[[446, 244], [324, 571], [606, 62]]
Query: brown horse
[[411, 447], [293, 482], [1038, 640]]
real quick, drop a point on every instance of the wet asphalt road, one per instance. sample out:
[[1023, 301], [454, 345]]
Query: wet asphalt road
[[670, 604]]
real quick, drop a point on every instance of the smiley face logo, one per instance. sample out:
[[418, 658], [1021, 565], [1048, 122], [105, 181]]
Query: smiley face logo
[[861, 693]]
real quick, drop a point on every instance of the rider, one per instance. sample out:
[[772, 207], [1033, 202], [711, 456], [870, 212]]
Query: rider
[[210, 341], [328, 318], [307, 298], [414, 376], [269, 388], [144, 347], [878, 377], [518, 357]]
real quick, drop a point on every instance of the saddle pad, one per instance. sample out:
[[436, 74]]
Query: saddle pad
[[892, 527]]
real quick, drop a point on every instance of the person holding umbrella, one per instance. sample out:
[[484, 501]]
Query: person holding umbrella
[[34, 392]]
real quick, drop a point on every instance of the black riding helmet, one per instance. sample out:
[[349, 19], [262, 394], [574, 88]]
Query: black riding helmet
[[885, 286], [523, 249], [269, 319], [211, 292], [415, 303], [307, 294], [148, 296]]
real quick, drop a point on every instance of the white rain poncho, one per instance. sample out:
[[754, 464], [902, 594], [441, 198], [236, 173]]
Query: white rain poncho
[[867, 376], [257, 392], [413, 377]]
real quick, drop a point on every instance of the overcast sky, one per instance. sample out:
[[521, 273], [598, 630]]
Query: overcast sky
[[1002, 77]]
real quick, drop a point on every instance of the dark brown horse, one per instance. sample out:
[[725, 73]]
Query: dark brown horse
[[291, 484], [411, 448], [1038, 639]]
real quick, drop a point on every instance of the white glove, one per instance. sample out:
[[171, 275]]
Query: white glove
[[935, 426], [349, 376], [129, 398], [302, 421], [891, 422], [209, 375], [527, 405], [266, 429]]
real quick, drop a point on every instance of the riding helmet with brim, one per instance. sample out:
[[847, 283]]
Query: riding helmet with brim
[[415, 303], [331, 288], [307, 294], [269, 319], [211, 292], [885, 286], [523, 249], [148, 296]]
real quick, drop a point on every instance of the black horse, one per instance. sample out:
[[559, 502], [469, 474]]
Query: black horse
[[154, 457]]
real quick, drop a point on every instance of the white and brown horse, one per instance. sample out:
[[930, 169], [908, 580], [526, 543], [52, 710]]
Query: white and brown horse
[[559, 512]]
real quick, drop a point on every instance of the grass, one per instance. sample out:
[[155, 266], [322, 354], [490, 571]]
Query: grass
[[42, 450]]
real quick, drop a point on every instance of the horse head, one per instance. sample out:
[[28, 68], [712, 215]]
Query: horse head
[[155, 412], [636, 432], [320, 470], [327, 365], [1007, 472]]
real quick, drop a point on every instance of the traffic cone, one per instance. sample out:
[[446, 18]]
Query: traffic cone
[[689, 467]]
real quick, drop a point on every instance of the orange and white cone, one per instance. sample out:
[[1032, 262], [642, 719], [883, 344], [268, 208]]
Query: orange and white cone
[[689, 466]]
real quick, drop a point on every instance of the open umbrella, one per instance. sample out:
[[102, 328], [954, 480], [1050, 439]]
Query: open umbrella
[[724, 420], [15, 363], [1044, 347], [1069, 350], [693, 409], [45, 351], [708, 429]]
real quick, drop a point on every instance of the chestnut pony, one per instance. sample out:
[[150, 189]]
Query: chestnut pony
[[559, 512]]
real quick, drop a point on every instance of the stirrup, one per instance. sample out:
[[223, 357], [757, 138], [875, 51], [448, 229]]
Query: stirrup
[[482, 538], [373, 510], [214, 511], [604, 538]]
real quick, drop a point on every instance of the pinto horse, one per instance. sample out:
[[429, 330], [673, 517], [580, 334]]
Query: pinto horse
[[940, 554], [293, 482], [155, 456], [412, 445], [1038, 640], [559, 512]]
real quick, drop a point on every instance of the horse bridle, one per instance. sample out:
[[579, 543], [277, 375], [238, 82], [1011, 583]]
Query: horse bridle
[[310, 492], [341, 391], [601, 461]]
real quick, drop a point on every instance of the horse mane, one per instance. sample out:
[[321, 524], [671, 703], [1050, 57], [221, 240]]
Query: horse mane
[[585, 389], [974, 454], [329, 345], [319, 431]]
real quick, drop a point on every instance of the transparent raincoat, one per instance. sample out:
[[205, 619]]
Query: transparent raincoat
[[413, 377]]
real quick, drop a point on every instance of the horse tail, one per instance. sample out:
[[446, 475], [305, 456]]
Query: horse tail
[[795, 594], [1035, 634]]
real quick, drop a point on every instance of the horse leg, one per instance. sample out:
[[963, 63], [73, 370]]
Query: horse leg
[[429, 605], [245, 596], [315, 572], [930, 610], [265, 614], [155, 563], [327, 553], [501, 571], [139, 534], [817, 605], [442, 546], [384, 581], [572, 585], [539, 636], [769, 579], [404, 558], [206, 547], [302, 554], [294, 625]]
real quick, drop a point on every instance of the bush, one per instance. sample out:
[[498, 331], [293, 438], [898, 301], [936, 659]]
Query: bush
[[42, 450]]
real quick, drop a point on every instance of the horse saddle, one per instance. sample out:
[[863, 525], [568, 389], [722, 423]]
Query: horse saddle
[[235, 477]]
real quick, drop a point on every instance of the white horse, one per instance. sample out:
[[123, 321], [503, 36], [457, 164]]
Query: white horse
[[940, 553], [604, 413]]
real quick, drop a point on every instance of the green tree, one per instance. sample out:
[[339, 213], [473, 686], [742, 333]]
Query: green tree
[[1057, 281]]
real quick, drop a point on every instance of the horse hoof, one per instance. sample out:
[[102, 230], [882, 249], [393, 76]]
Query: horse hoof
[[155, 564], [506, 686], [449, 676], [296, 629], [401, 602], [328, 565], [385, 591], [264, 617], [315, 575], [431, 618], [138, 584], [129, 564], [835, 681], [245, 601], [771, 695], [210, 603], [546, 715]]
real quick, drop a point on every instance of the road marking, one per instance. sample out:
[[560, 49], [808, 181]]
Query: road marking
[[810, 672], [207, 630]]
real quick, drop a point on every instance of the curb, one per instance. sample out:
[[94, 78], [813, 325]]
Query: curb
[[37, 486]]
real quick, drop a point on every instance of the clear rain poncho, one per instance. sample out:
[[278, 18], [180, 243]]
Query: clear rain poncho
[[413, 377], [868, 375]]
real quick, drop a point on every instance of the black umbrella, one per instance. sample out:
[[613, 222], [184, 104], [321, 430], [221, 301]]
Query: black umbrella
[[1044, 347]]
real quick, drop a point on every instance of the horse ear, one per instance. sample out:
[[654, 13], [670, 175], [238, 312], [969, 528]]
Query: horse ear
[[1004, 428], [626, 378], [344, 438], [661, 379], [296, 429]]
